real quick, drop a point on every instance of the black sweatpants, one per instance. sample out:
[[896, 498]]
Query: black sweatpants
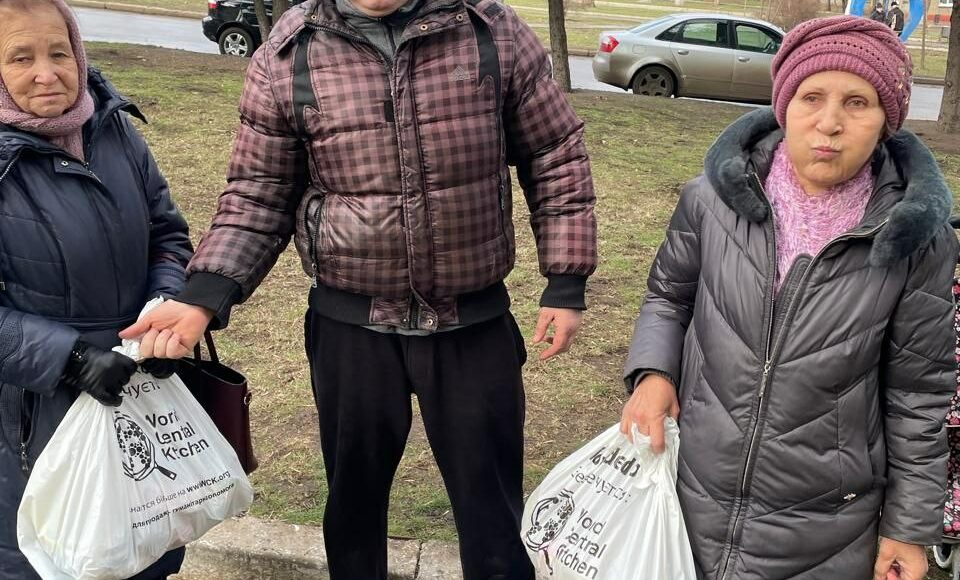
[[470, 391]]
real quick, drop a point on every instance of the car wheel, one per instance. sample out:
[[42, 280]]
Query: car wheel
[[654, 81], [236, 42]]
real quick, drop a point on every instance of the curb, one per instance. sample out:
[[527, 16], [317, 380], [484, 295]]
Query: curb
[[248, 548], [928, 81], [120, 7]]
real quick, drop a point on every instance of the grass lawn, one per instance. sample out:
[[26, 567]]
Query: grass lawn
[[642, 151]]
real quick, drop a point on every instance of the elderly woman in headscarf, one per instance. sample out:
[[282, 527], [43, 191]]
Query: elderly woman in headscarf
[[798, 319], [88, 234]]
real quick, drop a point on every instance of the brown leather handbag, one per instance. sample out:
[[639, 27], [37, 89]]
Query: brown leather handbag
[[225, 396]]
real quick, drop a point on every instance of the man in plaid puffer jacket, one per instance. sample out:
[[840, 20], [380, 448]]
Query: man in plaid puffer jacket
[[378, 134]]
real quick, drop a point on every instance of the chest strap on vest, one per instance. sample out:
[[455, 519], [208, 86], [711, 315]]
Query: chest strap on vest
[[303, 95], [487, 48]]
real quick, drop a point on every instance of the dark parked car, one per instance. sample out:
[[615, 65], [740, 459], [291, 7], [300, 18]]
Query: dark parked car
[[232, 24]]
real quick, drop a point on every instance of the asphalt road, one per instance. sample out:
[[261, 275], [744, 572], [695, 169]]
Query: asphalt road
[[186, 34]]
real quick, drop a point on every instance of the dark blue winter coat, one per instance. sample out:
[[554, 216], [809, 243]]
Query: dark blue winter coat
[[83, 245]]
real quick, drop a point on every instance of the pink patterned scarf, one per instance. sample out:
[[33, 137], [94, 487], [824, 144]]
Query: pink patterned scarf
[[65, 131], [805, 223]]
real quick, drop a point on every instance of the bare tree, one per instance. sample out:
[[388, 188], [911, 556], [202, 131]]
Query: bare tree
[[949, 121], [558, 44], [266, 22], [789, 13]]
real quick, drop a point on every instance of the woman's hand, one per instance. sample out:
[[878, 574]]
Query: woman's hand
[[900, 561], [170, 330], [652, 401], [101, 373]]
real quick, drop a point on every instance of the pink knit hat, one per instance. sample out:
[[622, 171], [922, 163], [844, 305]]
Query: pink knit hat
[[851, 44]]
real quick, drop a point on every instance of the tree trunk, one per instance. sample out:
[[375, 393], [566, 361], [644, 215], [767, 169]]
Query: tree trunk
[[262, 19], [949, 121], [558, 44], [279, 7]]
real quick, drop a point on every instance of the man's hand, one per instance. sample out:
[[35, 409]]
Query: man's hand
[[899, 561], [652, 401], [566, 323], [170, 330]]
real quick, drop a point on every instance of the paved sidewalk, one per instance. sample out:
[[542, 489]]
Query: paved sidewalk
[[252, 549]]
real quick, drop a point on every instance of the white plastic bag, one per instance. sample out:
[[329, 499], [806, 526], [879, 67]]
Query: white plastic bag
[[610, 511], [116, 488]]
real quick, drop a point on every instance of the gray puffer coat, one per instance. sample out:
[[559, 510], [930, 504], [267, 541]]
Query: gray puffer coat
[[804, 416]]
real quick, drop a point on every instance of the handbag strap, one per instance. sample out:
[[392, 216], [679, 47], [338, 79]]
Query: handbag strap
[[211, 348]]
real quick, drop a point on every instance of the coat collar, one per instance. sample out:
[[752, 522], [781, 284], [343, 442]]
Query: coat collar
[[324, 13], [903, 165]]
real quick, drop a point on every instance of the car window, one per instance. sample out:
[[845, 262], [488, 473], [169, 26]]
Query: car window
[[670, 33], [653, 23], [703, 32], [756, 39]]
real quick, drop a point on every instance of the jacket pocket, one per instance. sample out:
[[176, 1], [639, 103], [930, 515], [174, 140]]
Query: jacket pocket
[[18, 411], [312, 223], [502, 205], [691, 367], [856, 468]]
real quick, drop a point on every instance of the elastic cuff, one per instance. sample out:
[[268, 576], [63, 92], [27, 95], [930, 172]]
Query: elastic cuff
[[632, 380], [565, 291], [213, 292]]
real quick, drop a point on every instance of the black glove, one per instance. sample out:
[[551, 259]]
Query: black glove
[[101, 373], [161, 368]]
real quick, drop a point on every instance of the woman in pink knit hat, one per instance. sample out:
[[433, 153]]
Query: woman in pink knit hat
[[799, 321], [88, 234]]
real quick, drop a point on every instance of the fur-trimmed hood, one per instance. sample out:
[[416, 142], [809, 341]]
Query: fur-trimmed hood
[[743, 149]]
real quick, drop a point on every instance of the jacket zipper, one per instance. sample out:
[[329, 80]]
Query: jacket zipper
[[391, 81], [312, 239], [503, 205], [10, 165], [765, 376], [770, 354], [423, 176], [24, 435], [387, 67]]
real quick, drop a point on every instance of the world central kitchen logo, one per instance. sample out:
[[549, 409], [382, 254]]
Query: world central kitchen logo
[[547, 520], [172, 440]]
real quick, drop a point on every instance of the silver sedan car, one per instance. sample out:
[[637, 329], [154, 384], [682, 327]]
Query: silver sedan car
[[714, 56]]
